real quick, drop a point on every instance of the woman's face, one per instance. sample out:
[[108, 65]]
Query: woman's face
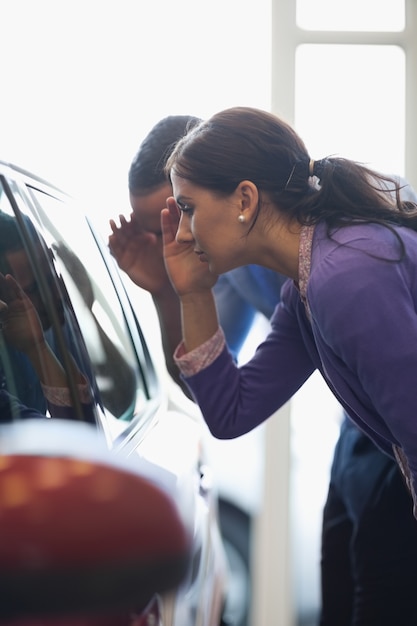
[[211, 223]]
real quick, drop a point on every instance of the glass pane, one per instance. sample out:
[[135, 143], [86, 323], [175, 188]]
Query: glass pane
[[42, 372], [354, 105], [96, 306], [354, 15]]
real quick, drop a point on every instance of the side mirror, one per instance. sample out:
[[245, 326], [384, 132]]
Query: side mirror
[[82, 530]]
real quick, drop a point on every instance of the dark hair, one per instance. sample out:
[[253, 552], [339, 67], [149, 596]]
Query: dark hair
[[147, 169], [10, 239], [244, 143]]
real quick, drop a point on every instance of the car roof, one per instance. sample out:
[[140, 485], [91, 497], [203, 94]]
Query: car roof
[[28, 174]]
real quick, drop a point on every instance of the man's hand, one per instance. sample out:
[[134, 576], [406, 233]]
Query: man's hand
[[139, 254]]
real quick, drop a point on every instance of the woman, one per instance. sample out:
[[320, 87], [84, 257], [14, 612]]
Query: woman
[[248, 192]]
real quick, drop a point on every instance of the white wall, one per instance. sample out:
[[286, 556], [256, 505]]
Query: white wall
[[84, 80]]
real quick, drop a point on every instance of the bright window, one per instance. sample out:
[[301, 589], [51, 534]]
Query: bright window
[[353, 103], [354, 15]]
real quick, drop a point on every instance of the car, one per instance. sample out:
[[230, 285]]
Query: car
[[100, 337]]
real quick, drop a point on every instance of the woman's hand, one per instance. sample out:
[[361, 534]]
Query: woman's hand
[[20, 322], [187, 273], [192, 280]]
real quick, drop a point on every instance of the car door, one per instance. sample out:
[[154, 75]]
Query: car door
[[92, 323]]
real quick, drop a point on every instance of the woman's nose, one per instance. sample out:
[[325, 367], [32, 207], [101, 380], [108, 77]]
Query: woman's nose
[[184, 234]]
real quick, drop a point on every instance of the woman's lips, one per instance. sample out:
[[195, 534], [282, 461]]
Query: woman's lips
[[202, 257]]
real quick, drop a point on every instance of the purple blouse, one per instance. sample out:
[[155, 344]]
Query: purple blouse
[[360, 332]]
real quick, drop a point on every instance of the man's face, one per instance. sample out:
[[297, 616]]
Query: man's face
[[147, 208]]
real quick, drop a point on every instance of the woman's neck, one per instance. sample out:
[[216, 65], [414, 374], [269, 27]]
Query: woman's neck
[[277, 247]]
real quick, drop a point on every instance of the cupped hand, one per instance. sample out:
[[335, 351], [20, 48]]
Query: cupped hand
[[187, 273], [139, 254], [20, 321]]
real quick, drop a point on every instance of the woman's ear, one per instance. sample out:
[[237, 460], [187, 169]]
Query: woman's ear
[[248, 199]]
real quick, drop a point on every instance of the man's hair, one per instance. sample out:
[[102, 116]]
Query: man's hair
[[147, 169], [10, 238]]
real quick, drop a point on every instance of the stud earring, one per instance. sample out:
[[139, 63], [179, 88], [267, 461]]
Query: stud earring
[[241, 219]]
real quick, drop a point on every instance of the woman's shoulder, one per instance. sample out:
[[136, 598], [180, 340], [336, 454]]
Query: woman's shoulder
[[362, 258], [375, 241]]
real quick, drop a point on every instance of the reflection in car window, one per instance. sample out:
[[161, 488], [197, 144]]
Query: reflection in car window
[[41, 372], [95, 304]]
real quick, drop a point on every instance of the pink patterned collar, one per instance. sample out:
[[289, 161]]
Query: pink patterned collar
[[304, 263]]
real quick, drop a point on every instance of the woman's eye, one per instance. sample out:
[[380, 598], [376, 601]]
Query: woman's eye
[[187, 209]]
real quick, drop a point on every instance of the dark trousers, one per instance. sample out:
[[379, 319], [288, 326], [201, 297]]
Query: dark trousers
[[369, 539]]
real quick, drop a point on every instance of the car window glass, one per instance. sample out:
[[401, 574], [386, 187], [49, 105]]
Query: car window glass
[[43, 370], [96, 305]]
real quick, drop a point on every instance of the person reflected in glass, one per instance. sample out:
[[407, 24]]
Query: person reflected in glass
[[21, 328], [19, 288]]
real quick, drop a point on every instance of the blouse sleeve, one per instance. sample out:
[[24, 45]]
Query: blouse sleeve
[[190, 363], [60, 402], [61, 396], [234, 400]]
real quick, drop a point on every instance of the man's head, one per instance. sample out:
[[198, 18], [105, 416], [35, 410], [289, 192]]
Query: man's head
[[149, 186]]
